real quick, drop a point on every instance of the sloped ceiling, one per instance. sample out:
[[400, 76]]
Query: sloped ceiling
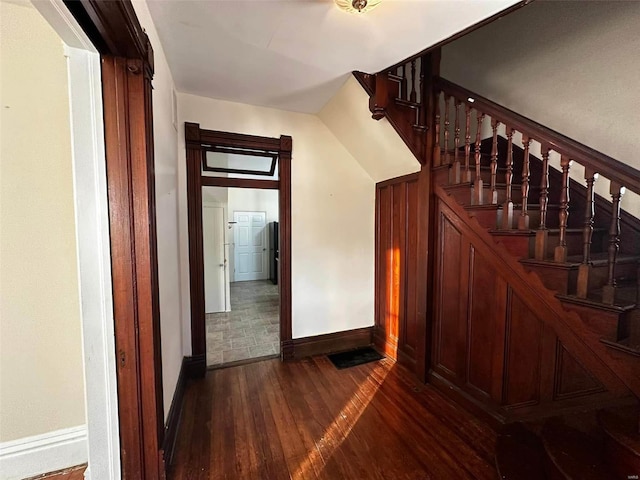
[[295, 55]]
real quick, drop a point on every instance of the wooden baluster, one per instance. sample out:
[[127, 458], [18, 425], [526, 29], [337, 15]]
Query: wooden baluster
[[456, 143], [436, 146], [584, 270], [447, 158], [609, 290], [507, 206], [404, 94], [478, 191], [523, 219], [494, 161], [467, 144], [542, 234], [413, 81], [560, 254]]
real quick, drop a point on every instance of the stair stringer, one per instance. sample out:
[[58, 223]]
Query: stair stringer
[[618, 374]]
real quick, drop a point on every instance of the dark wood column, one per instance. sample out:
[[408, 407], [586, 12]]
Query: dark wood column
[[196, 255]]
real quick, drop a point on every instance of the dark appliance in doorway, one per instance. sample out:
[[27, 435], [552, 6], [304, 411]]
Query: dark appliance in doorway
[[274, 250]]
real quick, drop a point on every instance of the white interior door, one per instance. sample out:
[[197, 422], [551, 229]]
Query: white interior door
[[250, 246], [214, 259]]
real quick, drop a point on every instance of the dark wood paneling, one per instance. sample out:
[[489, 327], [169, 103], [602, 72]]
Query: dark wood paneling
[[487, 295], [572, 379], [492, 347], [397, 330], [409, 333], [450, 331], [331, 342], [523, 348]]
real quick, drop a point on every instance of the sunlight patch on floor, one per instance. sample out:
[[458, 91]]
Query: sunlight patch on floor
[[343, 423]]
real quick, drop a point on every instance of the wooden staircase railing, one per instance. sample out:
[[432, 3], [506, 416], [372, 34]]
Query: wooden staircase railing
[[596, 164]]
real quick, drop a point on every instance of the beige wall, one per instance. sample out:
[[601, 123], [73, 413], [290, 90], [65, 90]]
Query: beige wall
[[570, 65], [332, 214], [375, 145], [165, 143], [41, 377]]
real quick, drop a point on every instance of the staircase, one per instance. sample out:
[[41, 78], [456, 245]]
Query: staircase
[[568, 259]]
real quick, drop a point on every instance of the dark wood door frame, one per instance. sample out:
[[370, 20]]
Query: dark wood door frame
[[197, 141], [127, 71]]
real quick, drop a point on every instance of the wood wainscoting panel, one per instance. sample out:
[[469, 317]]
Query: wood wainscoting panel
[[492, 348], [397, 297], [450, 315], [571, 378], [485, 323], [522, 357]]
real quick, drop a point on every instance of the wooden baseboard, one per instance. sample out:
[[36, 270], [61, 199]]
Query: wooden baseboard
[[329, 343], [190, 368], [195, 366]]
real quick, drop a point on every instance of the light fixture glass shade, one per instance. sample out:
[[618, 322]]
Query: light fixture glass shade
[[357, 6]]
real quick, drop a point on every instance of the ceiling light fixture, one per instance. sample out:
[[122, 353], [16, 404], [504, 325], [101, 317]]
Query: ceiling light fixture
[[357, 6]]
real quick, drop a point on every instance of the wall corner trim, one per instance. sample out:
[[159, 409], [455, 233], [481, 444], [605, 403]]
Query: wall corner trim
[[48, 452]]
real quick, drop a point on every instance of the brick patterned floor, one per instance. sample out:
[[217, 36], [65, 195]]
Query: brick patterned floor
[[250, 330]]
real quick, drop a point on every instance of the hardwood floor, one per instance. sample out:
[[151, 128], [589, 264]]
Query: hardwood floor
[[306, 420], [71, 473]]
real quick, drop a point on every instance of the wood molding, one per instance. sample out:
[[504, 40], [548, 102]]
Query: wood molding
[[130, 182], [329, 343], [175, 413], [411, 177], [197, 141], [239, 183], [114, 29], [127, 70]]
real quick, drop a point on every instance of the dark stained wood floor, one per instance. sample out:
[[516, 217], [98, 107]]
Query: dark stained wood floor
[[308, 420]]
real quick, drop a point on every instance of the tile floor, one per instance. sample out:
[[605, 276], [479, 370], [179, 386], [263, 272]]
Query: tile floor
[[250, 330]]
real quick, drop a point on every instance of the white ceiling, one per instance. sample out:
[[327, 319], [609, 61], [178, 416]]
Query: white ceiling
[[295, 55]]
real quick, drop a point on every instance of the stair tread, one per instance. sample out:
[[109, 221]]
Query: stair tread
[[519, 454], [623, 346], [594, 300], [599, 259], [574, 453], [622, 425], [602, 258], [407, 103], [532, 233]]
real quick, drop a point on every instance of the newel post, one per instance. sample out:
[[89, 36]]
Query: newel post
[[380, 99]]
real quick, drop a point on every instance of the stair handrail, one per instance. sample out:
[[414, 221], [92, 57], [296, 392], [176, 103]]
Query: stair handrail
[[605, 165]]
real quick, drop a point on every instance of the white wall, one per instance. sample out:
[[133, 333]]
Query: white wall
[[41, 376], [375, 145], [252, 200], [332, 215], [572, 66], [165, 143]]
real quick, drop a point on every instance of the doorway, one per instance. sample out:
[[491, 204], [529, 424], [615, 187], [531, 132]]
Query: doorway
[[240, 247], [258, 275]]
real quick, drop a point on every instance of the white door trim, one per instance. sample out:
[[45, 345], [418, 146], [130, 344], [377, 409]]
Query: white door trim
[[92, 235]]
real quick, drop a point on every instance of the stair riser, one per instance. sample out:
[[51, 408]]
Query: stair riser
[[559, 280], [602, 322], [598, 274]]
